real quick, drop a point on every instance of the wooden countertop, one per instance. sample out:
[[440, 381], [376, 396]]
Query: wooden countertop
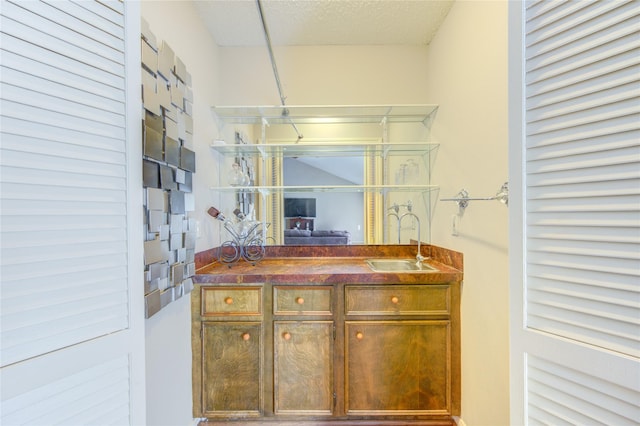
[[330, 264]]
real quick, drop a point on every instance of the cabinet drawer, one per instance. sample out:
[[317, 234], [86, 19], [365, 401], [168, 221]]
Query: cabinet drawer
[[231, 301], [397, 300], [299, 300]]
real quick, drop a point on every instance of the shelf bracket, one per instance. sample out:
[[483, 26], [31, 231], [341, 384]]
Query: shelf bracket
[[385, 129], [428, 120], [385, 151]]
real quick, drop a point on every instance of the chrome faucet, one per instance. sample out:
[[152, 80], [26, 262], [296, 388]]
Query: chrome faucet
[[419, 256]]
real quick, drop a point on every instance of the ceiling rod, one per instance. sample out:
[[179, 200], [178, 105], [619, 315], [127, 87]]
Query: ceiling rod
[[285, 111]]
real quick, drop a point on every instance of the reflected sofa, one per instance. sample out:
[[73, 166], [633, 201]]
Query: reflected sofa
[[305, 237]]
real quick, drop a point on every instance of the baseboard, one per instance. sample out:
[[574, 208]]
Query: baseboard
[[459, 421]]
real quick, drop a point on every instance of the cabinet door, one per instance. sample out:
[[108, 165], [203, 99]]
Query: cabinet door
[[231, 368], [398, 367], [303, 367]]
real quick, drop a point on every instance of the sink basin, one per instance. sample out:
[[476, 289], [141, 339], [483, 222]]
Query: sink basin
[[398, 265]]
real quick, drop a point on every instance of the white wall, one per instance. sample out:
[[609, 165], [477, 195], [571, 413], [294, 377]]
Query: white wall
[[325, 75], [168, 333], [468, 78]]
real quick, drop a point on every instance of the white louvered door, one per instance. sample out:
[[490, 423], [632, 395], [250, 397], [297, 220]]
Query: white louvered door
[[71, 310], [575, 212]]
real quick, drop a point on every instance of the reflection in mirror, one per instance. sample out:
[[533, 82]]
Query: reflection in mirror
[[348, 161], [335, 211]]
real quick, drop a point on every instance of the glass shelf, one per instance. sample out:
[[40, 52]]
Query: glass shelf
[[325, 149], [266, 190], [324, 114]]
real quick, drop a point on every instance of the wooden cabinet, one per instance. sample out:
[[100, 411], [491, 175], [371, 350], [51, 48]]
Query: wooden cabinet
[[303, 350], [339, 352], [231, 369], [398, 355], [397, 367], [303, 367], [398, 300], [302, 301], [229, 352], [231, 301]]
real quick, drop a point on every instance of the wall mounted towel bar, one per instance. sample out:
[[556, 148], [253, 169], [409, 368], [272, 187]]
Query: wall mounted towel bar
[[462, 198]]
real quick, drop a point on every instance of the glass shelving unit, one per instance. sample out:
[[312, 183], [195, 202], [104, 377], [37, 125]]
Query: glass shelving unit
[[268, 190], [379, 184], [326, 114], [326, 149]]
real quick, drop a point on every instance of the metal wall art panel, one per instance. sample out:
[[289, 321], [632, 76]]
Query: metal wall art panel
[[168, 167]]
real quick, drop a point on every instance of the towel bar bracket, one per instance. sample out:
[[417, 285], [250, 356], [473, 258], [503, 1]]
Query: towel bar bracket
[[462, 198]]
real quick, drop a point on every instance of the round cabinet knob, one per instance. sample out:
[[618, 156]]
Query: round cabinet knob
[[228, 300], [286, 335], [395, 300], [300, 300], [359, 335], [246, 336]]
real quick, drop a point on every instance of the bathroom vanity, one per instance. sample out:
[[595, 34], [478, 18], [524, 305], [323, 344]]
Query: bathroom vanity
[[314, 334]]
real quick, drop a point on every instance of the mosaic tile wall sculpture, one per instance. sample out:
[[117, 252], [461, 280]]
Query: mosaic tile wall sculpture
[[168, 168]]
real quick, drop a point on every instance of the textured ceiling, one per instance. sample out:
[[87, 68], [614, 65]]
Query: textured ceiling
[[324, 22]]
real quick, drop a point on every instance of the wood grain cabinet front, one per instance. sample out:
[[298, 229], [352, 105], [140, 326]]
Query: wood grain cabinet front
[[228, 351], [397, 300], [302, 300], [398, 368], [224, 301], [232, 373], [303, 350], [402, 350], [308, 354], [303, 367]]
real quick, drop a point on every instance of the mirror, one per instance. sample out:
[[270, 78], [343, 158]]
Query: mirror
[[365, 215], [366, 168], [334, 211]]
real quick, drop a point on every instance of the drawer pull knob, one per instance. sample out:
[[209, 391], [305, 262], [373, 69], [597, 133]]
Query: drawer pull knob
[[246, 336], [228, 300], [286, 335], [300, 301], [359, 335], [395, 300]]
